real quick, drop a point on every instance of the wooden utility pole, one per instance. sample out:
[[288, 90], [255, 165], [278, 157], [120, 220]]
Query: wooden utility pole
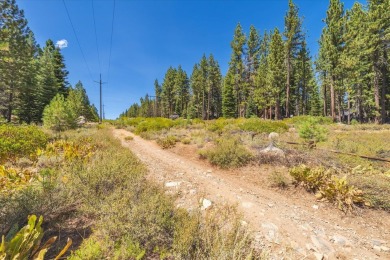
[[101, 104]]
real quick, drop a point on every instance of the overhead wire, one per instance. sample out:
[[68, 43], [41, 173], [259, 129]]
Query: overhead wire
[[112, 32], [77, 39], [96, 38]]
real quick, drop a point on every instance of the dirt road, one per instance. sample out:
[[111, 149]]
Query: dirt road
[[290, 225]]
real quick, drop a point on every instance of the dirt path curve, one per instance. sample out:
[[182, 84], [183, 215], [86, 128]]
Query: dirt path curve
[[290, 227]]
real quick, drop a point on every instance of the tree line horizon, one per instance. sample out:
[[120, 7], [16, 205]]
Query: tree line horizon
[[273, 76]]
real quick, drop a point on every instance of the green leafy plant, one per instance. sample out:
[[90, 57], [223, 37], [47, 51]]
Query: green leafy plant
[[26, 244], [343, 195], [328, 187]]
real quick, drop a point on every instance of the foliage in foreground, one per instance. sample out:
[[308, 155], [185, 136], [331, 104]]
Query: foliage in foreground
[[328, 187], [26, 243], [228, 153], [20, 141]]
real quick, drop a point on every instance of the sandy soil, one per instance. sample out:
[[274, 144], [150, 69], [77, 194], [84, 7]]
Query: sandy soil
[[289, 224]]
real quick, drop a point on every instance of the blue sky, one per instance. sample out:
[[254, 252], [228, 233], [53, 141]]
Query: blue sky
[[150, 36]]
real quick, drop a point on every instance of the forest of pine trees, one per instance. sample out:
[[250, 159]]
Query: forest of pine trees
[[272, 74], [31, 76]]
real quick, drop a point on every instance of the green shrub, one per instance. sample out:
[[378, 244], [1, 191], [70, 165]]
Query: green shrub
[[262, 126], [297, 120], [228, 153], [129, 138], [186, 140], [154, 124], [20, 141], [311, 131], [166, 142], [279, 180]]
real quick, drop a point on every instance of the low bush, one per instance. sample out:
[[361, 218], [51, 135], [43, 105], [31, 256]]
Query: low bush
[[166, 142], [129, 138], [20, 141], [345, 196], [257, 125], [153, 124], [297, 120], [228, 153], [328, 187], [279, 180]]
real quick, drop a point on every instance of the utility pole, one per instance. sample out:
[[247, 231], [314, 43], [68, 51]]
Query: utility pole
[[101, 109]]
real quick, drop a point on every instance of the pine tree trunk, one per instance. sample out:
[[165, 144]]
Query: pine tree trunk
[[349, 110], [332, 99], [377, 95], [339, 108], [288, 87], [383, 92], [10, 100], [325, 104], [277, 109]]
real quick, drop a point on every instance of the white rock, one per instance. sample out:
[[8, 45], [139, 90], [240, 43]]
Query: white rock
[[273, 136], [315, 207], [172, 184], [206, 204], [377, 248]]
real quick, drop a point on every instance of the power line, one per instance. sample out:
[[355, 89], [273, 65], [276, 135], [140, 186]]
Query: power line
[[77, 39], [96, 39], [112, 32]]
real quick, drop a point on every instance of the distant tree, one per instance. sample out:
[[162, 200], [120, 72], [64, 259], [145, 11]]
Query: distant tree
[[276, 71], [229, 104], [181, 92], [261, 91], [252, 65], [168, 92], [236, 73], [294, 37]]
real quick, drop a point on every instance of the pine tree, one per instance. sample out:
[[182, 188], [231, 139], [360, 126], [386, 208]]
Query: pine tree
[[252, 65], [14, 56], [196, 82], [214, 103], [157, 93], [261, 92], [47, 82], [236, 68], [332, 42], [294, 37], [168, 92], [276, 71], [356, 65], [182, 94], [377, 37], [229, 102], [27, 109]]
